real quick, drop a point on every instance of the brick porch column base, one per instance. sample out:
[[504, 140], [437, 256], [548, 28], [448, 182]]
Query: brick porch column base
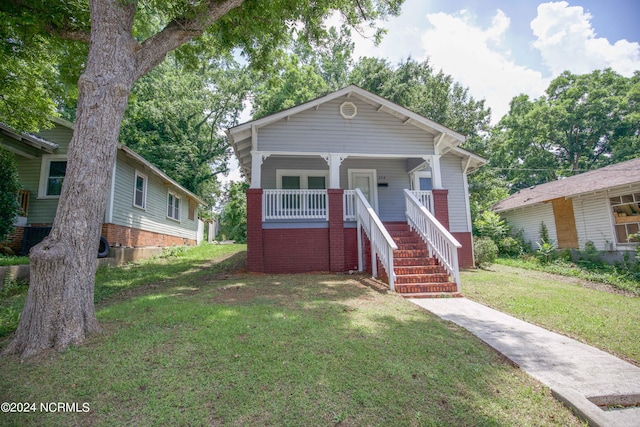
[[441, 206], [336, 230], [255, 248]]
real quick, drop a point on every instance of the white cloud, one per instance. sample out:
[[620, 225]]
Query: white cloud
[[478, 58], [567, 41]]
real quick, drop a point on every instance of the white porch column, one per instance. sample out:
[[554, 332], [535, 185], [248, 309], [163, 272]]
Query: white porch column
[[436, 177], [256, 168], [334, 161], [334, 171]]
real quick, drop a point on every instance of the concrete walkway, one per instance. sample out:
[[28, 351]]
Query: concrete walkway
[[575, 372]]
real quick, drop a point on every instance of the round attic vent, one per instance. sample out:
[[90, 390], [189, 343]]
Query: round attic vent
[[348, 110]]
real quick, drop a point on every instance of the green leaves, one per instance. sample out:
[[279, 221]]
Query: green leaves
[[582, 123]]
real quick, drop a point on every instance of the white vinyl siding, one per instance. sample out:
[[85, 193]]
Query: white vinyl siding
[[529, 220], [324, 129], [593, 221]]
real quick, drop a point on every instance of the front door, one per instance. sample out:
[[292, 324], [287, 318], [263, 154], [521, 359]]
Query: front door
[[365, 180]]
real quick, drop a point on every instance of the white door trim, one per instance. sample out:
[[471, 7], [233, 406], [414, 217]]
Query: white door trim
[[373, 174]]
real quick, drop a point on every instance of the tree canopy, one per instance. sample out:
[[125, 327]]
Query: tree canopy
[[583, 122]]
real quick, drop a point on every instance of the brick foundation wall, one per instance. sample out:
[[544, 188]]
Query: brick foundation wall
[[351, 249], [441, 206], [118, 235], [255, 250], [296, 250], [465, 253], [14, 240]]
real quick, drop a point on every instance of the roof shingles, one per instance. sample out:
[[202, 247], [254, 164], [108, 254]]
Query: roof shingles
[[602, 179]]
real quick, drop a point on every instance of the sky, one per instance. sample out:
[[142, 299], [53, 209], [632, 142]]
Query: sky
[[502, 48]]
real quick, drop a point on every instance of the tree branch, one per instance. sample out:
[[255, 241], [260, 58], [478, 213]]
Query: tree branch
[[179, 31]]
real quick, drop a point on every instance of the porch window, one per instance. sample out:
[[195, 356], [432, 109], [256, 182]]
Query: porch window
[[626, 215], [173, 206], [52, 173], [302, 180]]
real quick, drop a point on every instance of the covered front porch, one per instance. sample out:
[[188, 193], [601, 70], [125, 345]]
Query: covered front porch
[[339, 230]]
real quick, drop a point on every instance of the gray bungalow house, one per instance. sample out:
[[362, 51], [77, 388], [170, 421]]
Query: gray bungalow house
[[352, 181], [145, 207], [601, 206]]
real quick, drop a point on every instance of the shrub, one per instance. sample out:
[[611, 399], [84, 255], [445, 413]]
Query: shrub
[[510, 247], [546, 252], [590, 253], [485, 251], [489, 224]]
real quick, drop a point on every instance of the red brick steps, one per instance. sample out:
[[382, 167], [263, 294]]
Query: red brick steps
[[417, 274]]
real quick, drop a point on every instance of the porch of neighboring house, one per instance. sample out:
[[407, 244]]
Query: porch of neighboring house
[[323, 227]]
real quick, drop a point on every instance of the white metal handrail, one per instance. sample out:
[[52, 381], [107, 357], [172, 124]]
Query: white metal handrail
[[349, 203], [440, 242], [424, 197], [294, 204], [382, 244]]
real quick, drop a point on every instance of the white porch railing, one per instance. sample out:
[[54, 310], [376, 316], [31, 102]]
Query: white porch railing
[[440, 242], [294, 204], [349, 204], [424, 197], [382, 244]]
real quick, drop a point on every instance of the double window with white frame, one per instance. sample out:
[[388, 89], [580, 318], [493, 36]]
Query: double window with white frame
[[301, 179], [174, 206]]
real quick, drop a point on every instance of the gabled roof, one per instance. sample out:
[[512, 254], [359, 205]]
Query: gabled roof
[[352, 90], [611, 177], [30, 139], [448, 138]]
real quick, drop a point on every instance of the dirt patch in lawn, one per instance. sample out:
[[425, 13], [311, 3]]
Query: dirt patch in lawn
[[569, 280]]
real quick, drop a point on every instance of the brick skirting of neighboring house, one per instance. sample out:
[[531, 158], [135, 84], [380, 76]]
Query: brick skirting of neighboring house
[[14, 240], [118, 235]]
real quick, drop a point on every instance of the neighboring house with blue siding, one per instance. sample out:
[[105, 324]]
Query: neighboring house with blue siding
[[145, 208], [304, 212], [601, 206]]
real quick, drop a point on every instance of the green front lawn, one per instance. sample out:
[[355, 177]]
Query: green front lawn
[[208, 344], [609, 321]]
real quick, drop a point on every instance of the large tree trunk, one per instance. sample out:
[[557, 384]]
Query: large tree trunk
[[59, 309]]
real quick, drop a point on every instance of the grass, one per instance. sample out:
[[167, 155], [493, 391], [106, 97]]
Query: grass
[[615, 275], [609, 321], [211, 345], [13, 260], [109, 281]]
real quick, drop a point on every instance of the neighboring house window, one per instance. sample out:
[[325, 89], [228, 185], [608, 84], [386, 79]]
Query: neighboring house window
[[192, 210], [52, 173], [626, 214], [140, 191], [173, 206]]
